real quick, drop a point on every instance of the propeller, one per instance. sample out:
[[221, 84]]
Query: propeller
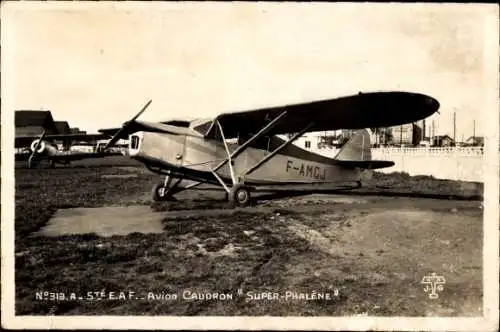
[[125, 126], [35, 149]]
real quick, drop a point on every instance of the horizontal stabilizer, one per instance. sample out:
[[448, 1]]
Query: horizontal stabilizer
[[365, 164]]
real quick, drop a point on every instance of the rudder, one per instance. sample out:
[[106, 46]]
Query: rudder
[[357, 148]]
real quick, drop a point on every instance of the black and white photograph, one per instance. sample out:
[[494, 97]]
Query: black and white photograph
[[250, 165]]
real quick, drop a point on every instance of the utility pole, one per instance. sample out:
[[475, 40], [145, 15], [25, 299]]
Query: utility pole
[[423, 131], [454, 126], [432, 133], [474, 130]]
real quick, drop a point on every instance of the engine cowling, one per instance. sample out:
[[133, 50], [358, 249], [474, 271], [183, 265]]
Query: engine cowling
[[43, 148]]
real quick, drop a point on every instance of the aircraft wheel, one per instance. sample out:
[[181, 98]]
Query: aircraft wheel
[[239, 195], [158, 193], [359, 184]]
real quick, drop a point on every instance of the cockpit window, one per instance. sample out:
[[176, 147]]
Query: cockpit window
[[203, 127], [134, 142], [178, 123]]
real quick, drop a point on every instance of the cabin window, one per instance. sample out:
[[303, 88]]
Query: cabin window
[[308, 144], [134, 142]]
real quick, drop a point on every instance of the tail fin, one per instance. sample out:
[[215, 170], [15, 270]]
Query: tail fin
[[357, 153], [358, 148]]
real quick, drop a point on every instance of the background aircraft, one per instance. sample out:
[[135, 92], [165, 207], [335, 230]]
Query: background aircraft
[[42, 149], [199, 151]]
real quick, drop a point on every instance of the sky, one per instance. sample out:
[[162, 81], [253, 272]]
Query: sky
[[96, 64]]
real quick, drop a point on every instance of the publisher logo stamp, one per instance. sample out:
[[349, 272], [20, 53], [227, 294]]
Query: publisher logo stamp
[[433, 284]]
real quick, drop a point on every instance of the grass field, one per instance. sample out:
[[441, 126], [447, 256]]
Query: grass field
[[367, 254]]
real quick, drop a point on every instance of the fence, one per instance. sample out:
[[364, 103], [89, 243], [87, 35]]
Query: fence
[[452, 163], [465, 164]]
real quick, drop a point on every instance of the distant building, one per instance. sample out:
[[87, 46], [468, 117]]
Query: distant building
[[442, 140], [33, 123], [331, 138], [77, 131], [425, 142], [407, 134], [475, 141], [62, 127], [337, 138], [381, 136], [347, 133]]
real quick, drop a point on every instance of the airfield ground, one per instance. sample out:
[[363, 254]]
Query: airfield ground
[[372, 248]]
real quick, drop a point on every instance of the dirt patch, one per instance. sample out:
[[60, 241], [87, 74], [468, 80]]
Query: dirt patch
[[320, 199], [104, 221], [315, 238], [390, 251]]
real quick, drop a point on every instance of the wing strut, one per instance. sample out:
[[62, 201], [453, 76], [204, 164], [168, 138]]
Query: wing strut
[[242, 148], [239, 150], [236, 180], [223, 184], [278, 149], [229, 156]]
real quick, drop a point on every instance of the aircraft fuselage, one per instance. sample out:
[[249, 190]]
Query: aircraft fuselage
[[292, 165]]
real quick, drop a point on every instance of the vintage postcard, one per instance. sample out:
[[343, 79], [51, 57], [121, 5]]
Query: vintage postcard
[[249, 165]]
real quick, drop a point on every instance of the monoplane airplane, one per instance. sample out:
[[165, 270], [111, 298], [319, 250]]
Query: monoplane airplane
[[198, 150], [41, 149]]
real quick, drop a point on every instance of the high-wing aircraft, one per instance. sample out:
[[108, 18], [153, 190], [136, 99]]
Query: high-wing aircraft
[[41, 149], [199, 151]]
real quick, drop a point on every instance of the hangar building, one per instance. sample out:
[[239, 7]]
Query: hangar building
[[32, 123], [62, 127]]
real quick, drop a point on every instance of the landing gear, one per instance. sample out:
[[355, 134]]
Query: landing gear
[[239, 195], [158, 192], [359, 184], [163, 191]]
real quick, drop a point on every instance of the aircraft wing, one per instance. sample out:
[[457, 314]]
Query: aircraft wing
[[109, 131], [134, 126], [364, 110], [23, 141], [70, 156], [83, 155]]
